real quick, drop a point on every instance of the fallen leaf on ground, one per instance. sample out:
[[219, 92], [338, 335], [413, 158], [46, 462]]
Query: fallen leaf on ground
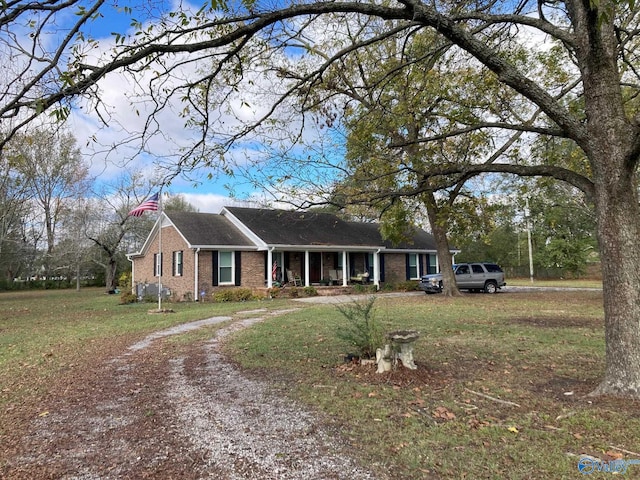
[[611, 455], [443, 413]]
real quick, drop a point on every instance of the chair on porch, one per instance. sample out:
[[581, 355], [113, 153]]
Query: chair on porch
[[360, 278], [335, 276], [294, 278]]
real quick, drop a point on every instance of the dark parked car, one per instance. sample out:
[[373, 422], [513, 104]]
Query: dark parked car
[[476, 276]]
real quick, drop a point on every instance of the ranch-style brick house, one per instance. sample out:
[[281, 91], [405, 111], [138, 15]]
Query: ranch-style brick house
[[197, 253]]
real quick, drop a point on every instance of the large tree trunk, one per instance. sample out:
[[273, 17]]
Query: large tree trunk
[[450, 288], [612, 145], [619, 232], [613, 154]]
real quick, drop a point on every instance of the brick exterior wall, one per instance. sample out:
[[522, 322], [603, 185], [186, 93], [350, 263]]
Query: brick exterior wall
[[252, 269], [205, 272], [395, 267], [180, 285], [253, 273]]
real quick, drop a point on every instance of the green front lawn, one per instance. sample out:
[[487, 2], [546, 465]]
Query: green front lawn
[[500, 390]]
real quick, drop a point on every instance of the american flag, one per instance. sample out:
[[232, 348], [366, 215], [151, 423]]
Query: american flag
[[274, 270], [148, 205]]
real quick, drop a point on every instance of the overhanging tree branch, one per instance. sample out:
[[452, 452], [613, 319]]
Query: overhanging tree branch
[[579, 181]]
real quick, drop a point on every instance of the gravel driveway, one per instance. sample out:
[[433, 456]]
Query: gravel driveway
[[181, 413]]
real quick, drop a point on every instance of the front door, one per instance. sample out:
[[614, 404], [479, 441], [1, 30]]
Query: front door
[[315, 267]]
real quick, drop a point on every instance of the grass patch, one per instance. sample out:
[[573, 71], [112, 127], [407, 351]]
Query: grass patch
[[541, 351], [47, 334], [571, 283]]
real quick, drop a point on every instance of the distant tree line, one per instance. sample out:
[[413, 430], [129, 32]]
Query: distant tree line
[[58, 226]]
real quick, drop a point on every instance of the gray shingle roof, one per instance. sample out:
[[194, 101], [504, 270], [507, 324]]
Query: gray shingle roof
[[208, 229], [284, 227]]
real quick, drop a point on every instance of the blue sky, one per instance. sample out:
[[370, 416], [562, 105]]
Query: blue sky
[[106, 148]]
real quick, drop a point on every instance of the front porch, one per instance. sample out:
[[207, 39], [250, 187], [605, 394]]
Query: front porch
[[322, 268]]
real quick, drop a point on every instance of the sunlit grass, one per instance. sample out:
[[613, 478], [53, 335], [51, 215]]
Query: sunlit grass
[[541, 351], [566, 283], [46, 333]]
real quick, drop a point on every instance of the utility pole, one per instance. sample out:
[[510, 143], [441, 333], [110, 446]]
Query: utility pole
[[528, 219]]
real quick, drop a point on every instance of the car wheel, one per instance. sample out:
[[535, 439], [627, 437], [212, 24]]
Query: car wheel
[[491, 287]]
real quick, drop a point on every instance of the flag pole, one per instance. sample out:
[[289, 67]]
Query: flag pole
[[160, 251]]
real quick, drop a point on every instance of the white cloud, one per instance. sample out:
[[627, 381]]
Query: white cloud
[[207, 202]]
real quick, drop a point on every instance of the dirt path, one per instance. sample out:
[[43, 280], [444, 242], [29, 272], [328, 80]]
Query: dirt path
[[186, 413]]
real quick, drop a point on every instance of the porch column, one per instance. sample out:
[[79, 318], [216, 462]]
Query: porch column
[[345, 268], [306, 268], [376, 269], [133, 275], [196, 274], [269, 267]]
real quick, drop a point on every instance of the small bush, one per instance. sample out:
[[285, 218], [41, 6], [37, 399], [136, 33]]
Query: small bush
[[407, 286], [274, 292], [362, 329], [233, 295], [310, 291], [127, 298], [243, 294], [359, 288], [124, 281]]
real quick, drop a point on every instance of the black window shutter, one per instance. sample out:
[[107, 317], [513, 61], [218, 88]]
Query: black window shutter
[[408, 266], [174, 271], [382, 267], [238, 259], [214, 257], [267, 267], [286, 261]]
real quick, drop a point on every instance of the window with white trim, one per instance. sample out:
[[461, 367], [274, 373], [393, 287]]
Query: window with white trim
[[433, 264], [177, 263], [225, 267], [157, 264], [414, 270]]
